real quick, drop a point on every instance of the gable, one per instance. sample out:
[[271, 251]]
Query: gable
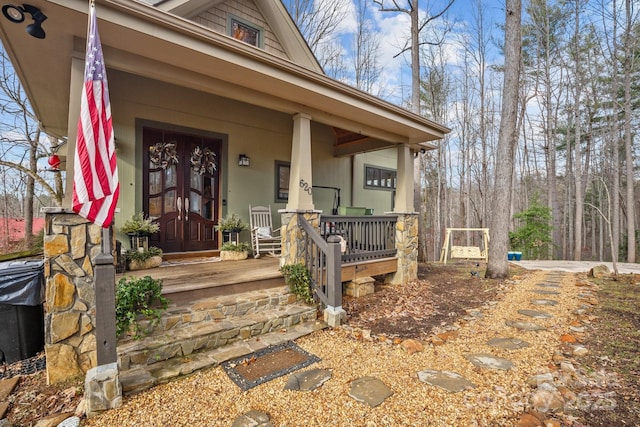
[[277, 33]]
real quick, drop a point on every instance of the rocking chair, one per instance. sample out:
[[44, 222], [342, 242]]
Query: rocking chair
[[264, 239]]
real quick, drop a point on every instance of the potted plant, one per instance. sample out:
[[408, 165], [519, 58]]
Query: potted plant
[[138, 228], [142, 259], [231, 226], [231, 251]]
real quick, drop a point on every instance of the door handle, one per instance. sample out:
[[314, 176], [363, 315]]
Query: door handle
[[179, 206], [186, 209]]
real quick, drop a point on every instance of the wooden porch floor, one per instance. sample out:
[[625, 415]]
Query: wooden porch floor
[[186, 280]]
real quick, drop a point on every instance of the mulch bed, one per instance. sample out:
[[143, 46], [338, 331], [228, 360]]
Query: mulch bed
[[267, 364]]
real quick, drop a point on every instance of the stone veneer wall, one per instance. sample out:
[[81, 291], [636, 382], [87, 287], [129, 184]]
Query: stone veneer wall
[[292, 252], [407, 245], [71, 244]]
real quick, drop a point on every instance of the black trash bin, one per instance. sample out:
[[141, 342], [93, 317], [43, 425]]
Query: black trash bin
[[21, 311]]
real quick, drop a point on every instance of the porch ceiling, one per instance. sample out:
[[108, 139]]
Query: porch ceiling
[[142, 40]]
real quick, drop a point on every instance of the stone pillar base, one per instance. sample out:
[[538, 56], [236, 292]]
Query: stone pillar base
[[102, 389], [360, 287], [335, 316]]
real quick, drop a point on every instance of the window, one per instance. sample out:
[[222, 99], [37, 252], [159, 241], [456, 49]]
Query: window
[[283, 170], [244, 31], [379, 178]]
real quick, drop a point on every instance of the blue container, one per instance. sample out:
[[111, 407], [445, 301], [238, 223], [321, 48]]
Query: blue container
[[517, 255], [510, 256]]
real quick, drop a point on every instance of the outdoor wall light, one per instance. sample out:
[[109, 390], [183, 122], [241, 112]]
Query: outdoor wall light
[[16, 14], [243, 160]]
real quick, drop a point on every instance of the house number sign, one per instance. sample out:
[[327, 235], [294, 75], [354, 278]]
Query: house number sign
[[305, 186]]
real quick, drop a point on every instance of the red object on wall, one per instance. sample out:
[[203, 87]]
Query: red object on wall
[[54, 161]]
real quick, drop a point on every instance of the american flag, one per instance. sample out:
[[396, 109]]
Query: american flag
[[95, 178]]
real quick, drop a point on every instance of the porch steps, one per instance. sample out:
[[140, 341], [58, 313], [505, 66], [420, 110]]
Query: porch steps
[[211, 331]]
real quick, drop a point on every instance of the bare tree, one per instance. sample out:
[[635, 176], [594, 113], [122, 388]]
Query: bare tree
[[318, 21], [544, 47], [497, 267], [366, 51], [414, 42], [412, 45], [630, 46], [22, 142]]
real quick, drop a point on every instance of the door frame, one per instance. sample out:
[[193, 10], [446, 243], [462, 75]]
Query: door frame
[[167, 127]]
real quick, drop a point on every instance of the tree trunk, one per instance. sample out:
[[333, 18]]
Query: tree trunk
[[628, 57], [497, 267]]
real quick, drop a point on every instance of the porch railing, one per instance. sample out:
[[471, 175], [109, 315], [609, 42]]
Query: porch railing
[[322, 258], [367, 237]]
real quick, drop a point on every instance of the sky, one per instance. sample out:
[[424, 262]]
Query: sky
[[393, 29]]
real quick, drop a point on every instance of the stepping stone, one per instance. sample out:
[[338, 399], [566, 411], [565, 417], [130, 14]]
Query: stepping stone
[[4, 408], [7, 386], [484, 360], [450, 381], [308, 380], [70, 422], [508, 343], [525, 326], [252, 418], [548, 285], [544, 302], [545, 292], [369, 390], [535, 314]]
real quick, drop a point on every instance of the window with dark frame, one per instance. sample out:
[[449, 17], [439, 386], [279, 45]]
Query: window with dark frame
[[283, 170], [377, 178], [244, 31]]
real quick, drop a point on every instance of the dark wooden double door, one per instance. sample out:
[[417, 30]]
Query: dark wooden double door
[[181, 189]]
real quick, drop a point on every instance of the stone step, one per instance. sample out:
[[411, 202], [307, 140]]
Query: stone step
[[142, 377], [184, 339], [223, 307]]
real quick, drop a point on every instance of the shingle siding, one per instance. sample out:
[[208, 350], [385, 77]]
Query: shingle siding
[[216, 18]]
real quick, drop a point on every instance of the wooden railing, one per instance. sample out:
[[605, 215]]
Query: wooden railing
[[322, 258], [367, 237]]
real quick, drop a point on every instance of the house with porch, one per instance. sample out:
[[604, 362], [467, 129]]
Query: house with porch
[[216, 105]]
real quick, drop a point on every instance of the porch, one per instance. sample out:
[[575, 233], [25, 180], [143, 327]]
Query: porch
[[221, 310], [369, 250]]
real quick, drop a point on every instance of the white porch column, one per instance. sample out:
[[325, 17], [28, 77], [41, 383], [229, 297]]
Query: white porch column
[[75, 93], [404, 187], [300, 197]]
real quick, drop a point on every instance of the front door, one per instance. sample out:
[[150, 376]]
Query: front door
[[181, 188]]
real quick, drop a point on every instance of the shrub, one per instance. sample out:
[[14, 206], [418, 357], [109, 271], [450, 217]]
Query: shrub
[[133, 255], [231, 222], [138, 299], [297, 277], [235, 247], [140, 225]]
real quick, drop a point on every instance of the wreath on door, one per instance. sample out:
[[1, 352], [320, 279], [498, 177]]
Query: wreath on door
[[163, 154], [203, 161]]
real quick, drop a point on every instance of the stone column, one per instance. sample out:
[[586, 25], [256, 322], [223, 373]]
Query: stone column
[[407, 246], [292, 251], [71, 244]]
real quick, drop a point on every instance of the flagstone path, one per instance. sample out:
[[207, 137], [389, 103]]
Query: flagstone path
[[546, 397]]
